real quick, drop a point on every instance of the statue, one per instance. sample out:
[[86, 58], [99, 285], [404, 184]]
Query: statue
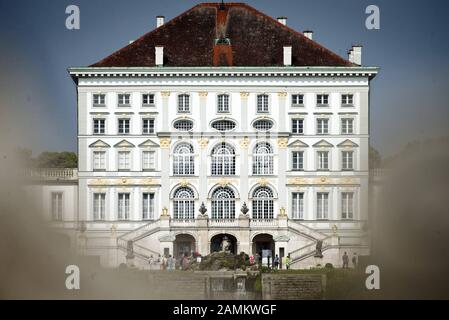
[[129, 250], [225, 245], [318, 248]]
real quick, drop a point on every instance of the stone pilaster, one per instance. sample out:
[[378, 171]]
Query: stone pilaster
[[165, 111], [165, 172], [244, 163], [244, 110], [282, 168], [282, 110]]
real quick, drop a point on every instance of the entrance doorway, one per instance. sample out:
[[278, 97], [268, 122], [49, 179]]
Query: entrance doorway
[[263, 241], [184, 244]]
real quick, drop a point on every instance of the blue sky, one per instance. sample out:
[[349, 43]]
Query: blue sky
[[38, 107]]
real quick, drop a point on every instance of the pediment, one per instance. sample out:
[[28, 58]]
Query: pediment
[[298, 144], [348, 144], [149, 144], [99, 144], [323, 144], [124, 144]]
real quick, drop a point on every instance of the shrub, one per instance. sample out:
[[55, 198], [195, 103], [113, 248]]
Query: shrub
[[329, 266]]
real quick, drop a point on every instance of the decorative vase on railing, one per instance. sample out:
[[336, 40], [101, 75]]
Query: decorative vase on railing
[[244, 209], [202, 209]]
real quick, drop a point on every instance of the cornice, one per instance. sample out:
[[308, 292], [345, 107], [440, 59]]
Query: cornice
[[247, 72]]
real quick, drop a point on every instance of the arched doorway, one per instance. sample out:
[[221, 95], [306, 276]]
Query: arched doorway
[[263, 241], [215, 242], [184, 244]]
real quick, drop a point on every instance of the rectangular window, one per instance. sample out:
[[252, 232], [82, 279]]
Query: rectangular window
[[322, 126], [99, 206], [148, 162], [322, 99], [297, 160], [99, 126], [262, 103], [148, 206], [347, 205], [123, 206], [297, 99], [99, 100], [347, 126], [99, 160], [323, 160], [297, 205], [322, 205], [147, 99], [347, 99], [147, 126], [347, 160], [183, 103], [56, 206], [223, 103], [124, 99], [297, 126], [124, 160], [123, 126]]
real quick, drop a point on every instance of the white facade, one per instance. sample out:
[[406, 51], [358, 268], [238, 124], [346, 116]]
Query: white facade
[[123, 193]]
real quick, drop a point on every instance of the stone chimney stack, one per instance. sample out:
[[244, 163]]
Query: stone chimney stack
[[160, 20], [355, 55], [308, 34], [283, 20]]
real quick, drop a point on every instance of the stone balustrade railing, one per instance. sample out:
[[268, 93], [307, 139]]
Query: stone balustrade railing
[[52, 173]]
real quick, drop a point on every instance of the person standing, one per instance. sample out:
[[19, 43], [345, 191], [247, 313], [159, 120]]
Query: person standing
[[354, 260], [276, 262], [170, 263], [150, 262], [185, 262], [345, 261], [164, 263], [288, 261]]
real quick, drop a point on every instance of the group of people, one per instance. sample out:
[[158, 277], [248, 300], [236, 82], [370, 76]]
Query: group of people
[[345, 259], [275, 263], [170, 263]]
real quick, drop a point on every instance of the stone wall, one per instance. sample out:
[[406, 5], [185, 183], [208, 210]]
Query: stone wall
[[293, 286]]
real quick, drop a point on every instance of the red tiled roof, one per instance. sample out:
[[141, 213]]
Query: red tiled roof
[[256, 39]]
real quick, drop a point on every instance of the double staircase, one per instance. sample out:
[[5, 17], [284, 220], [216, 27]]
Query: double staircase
[[129, 239], [309, 250]]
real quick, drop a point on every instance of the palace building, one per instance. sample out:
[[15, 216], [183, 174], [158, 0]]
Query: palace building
[[222, 122]]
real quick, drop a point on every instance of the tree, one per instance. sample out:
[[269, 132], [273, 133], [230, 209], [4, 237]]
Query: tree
[[375, 160], [57, 160]]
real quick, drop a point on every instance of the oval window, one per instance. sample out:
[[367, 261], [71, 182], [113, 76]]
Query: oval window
[[223, 125], [183, 125], [263, 125]]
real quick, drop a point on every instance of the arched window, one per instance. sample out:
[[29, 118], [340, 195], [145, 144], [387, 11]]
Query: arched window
[[223, 160], [263, 159], [263, 203], [183, 204], [184, 160], [223, 204]]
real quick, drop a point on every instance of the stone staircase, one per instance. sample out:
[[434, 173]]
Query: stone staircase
[[132, 236]]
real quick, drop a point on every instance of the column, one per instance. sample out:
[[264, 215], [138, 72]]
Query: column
[[244, 163]]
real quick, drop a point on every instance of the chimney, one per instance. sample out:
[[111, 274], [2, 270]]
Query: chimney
[[159, 59], [283, 20], [287, 56], [308, 34], [355, 55], [160, 20], [131, 41]]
